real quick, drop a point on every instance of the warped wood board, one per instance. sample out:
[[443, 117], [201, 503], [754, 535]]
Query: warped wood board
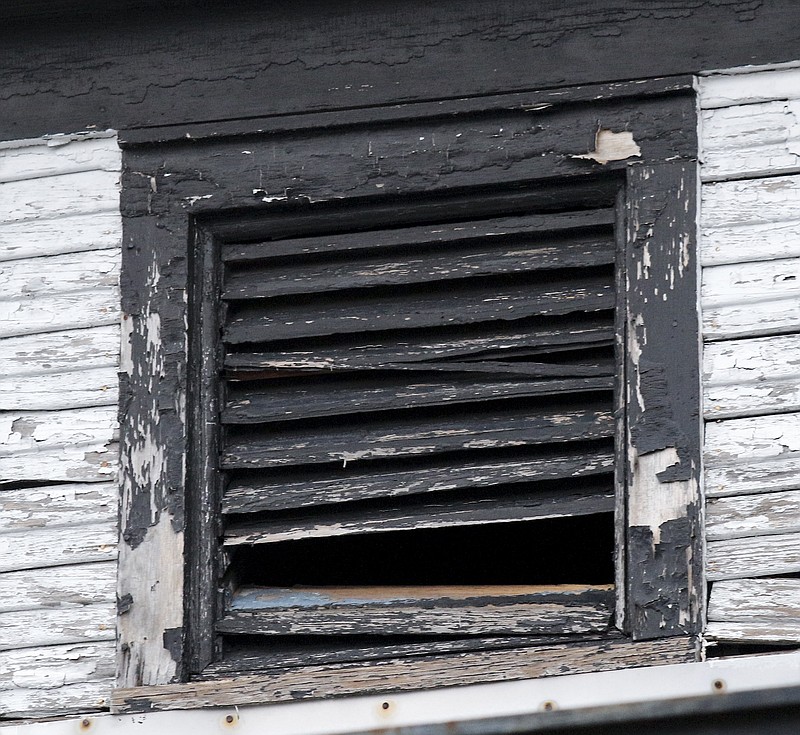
[[57, 506], [48, 627], [75, 585], [752, 299], [753, 515], [725, 90], [68, 233], [751, 439], [751, 140], [777, 600], [765, 475], [85, 192], [785, 632], [753, 557], [77, 445], [58, 155], [409, 673], [751, 377], [479, 610], [48, 547], [750, 220], [78, 389], [59, 352]]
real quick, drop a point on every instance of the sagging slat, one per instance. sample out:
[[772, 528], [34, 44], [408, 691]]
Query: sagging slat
[[587, 331], [413, 437], [479, 610], [382, 269], [256, 403], [752, 377], [417, 673], [768, 600], [563, 463], [753, 515], [425, 235], [502, 508], [753, 557], [254, 323], [785, 632]]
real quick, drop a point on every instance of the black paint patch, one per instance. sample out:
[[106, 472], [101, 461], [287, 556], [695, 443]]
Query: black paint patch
[[173, 642], [124, 603]]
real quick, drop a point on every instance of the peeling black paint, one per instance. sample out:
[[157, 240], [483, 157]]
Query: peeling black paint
[[173, 642], [124, 603]]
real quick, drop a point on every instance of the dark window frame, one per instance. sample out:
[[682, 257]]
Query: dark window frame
[[178, 191]]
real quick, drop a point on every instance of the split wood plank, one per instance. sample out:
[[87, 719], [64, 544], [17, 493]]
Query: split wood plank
[[767, 475], [60, 587], [753, 515], [56, 506], [77, 445], [85, 192], [49, 627], [49, 547], [751, 377], [751, 220], [316, 682], [761, 139], [785, 632], [753, 557], [752, 299], [253, 496], [744, 600], [68, 390], [726, 90], [58, 155], [479, 610]]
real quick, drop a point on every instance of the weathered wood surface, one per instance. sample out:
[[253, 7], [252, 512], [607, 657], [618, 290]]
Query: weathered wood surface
[[753, 515], [751, 439], [48, 627], [757, 556], [785, 632], [54, 506], [253, 496], [58, 155], [478, 610], [751, 140], [748, 221], [417, 673], [74, 585], [765, 475], [78, 389], [56, 680], [748, 301], [727, 90], [775, 600], [751, 377], [40, 548], [77, 445]]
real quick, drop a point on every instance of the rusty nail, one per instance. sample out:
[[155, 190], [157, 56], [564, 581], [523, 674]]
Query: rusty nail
[[719, 685], [229, 719], [385, 705], [86, 722], [549, 706]]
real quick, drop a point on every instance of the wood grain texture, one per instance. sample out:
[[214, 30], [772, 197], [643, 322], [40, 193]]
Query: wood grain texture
[[317, 682], [770, 632], [753, 557], [58, 155], [751, 377], [753, 515], [775, 600], [729, 90], [752, 439], [49, 627], [746, 476], [67, 390]]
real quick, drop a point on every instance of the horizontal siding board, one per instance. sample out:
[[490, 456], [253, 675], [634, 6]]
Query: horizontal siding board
[[726, 90], [58, 505], [77, 310], [78, 389], [48, 547], [58, 156], [69, 699], [410, 611], [776, 600], [784, 632], [753, 557], [753, 515], [254, 496], [75, 585], [759, 476], [746, 440], [751, 377], [48, 627]]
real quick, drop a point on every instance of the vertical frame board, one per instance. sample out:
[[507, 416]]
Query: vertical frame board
[[663, 425]]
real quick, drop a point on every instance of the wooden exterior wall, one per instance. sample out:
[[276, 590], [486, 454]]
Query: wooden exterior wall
[[750, 253], [60, 234]]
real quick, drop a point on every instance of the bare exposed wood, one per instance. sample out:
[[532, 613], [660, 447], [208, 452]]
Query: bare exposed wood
[[508, 507], [69, 699], [60, 155], [753, 557], [75, 585], [418, 673], [743, 600], [753, 515], [253, 496], [751, 377], [766, 475], [478, 610], [786, 632], [48, 627]]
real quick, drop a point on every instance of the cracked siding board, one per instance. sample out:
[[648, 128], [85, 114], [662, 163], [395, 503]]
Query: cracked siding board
[[753, 515], [758, 556]]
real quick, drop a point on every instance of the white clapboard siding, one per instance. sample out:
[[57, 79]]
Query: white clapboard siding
[[752, 220], [753, 557], [58, 505], [85, 192], [747, 439], [48, 627], [751, 377], [77, 445], [749, 599], [751, 140], [49, 547], [725, 90], [787, 632], [752, 299], [52, 313], [753, 515], [75, 585], [753, 476], [58, 155], [80, 388]]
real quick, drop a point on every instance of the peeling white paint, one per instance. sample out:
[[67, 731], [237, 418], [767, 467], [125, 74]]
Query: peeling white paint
[[611, 146]]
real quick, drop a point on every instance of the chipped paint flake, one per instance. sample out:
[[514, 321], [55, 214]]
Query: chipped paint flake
[[610, 146]]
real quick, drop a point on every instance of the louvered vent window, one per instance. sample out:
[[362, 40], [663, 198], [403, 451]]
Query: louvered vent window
[[417, 431]]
